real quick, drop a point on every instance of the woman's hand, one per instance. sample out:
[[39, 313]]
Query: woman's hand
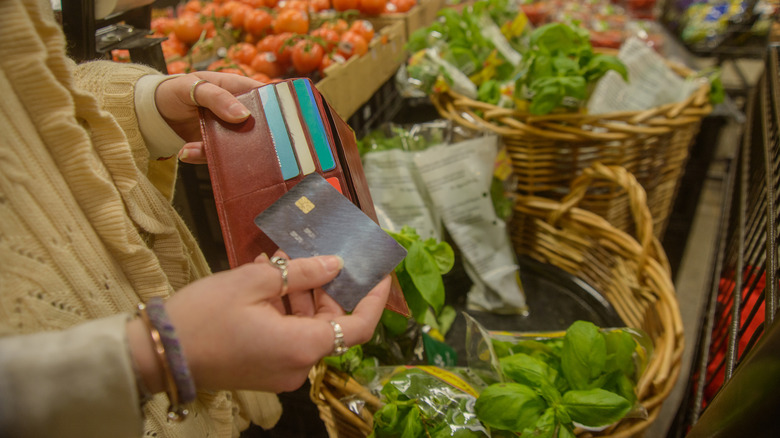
[[217, 94], [235, 334]]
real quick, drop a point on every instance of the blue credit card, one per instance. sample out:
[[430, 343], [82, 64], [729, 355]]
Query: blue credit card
[[279, 133], [313, 121]]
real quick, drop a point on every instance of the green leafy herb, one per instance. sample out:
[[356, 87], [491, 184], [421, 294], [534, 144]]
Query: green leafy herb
[[595, 407], [584, 354], [586, 376], [420, 277], [421, 405], [509, 406], [560, 64]]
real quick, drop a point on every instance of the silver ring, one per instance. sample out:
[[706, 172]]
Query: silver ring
[[339, 347], [192, 90], [281, 263]]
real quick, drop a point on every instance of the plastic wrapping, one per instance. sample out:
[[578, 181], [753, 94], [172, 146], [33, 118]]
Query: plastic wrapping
[[584, 363], [432, 173], [426, 401]]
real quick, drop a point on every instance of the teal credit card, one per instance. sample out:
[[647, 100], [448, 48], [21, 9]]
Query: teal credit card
[[279, 133]]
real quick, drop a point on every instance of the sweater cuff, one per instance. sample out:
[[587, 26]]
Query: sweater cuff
[[161, 140], [77, 382]]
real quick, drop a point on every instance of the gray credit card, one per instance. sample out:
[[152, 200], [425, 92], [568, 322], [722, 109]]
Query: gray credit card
[[313, 218]]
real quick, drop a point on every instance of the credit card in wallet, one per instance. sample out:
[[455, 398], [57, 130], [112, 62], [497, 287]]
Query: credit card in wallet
[[313, 218]]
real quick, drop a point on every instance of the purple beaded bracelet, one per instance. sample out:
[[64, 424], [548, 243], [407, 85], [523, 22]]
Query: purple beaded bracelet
[[158, 317]]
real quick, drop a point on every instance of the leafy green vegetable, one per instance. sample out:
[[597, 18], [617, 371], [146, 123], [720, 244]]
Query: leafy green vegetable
[[420, 276], [595, 407], [560, 65], [584, 354], [585, 376], [529, 370], [418, 404], [509, 406]]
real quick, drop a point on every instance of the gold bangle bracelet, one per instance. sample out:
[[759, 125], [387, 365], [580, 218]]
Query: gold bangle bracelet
[[175, 412]]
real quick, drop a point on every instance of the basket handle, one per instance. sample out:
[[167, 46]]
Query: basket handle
[[637, 199]]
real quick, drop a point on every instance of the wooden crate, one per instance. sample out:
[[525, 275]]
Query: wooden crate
[[419, 16], [348, 86]]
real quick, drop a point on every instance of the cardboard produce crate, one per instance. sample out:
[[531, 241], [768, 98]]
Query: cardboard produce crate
[[419, 16], [348, 86]]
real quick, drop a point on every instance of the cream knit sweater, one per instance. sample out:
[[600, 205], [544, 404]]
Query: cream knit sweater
[[85, 233]]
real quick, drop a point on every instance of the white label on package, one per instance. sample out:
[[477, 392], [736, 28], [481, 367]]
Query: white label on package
[[397, 199], [458, 178]]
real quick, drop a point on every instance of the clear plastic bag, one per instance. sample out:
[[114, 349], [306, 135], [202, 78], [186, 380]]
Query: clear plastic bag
[[548, 363], [426, 401]]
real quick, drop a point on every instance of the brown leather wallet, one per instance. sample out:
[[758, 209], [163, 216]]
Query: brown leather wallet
[[291, 133]]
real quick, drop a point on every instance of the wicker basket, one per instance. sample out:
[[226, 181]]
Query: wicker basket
[[549, 151], [631, 272]]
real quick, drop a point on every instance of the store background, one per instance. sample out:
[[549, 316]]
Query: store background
[[690, 241]]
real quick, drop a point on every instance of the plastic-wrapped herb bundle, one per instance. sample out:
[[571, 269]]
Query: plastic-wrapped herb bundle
[[490, 53], [464, 184], [549, 383], [463, 50], [428, 402]]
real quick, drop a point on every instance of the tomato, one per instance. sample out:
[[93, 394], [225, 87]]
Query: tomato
[[176, 67], [219, 65], [192, 6], [271, 3], [242, 52], [188, 29], [306, 56], [120, 55], [329, 60], [352, 44], [270, 43], [210, 28], [402, 6], [173, 47], [227, 66], [330, 37], [163, 25], [344, 5], [261, 77], [372, 7], [226, 9], [255, 3], [266, 63], [291, 20], [340, 25], [208, 10], [284, 51], [238, 15], [258, 22], [319, 5], [300, 5], [363, 28]]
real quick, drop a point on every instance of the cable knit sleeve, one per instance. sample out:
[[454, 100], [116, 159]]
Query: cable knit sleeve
[[113, 84]]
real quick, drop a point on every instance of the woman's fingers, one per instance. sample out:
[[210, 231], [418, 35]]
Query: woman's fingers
[[359, 326], [193, 153], [220, 101], [302, 274]]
